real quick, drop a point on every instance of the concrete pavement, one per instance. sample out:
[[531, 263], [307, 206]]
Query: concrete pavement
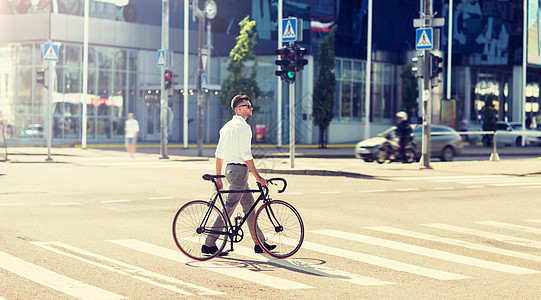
[[337, 160]]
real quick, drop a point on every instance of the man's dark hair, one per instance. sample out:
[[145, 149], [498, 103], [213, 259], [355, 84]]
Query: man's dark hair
[[238, 99]]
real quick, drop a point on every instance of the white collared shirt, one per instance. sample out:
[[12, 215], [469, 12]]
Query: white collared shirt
[[235, 143]]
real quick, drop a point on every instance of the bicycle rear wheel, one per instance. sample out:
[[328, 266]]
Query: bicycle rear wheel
[[190, 229], [279, 225]]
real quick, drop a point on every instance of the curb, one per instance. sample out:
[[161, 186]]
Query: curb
[[317, 173]]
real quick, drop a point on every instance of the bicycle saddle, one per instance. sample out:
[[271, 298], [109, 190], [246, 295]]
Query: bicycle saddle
[[209, 177]]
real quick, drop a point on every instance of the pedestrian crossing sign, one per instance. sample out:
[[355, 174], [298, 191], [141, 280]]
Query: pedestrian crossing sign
[[289, 30], [423, 40], [50, 52], [161, 58]]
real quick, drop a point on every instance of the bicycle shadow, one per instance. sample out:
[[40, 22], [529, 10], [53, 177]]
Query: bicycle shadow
[[309, 266]]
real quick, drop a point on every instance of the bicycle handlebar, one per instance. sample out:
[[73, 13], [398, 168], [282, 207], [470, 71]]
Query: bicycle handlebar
[[278, 179]]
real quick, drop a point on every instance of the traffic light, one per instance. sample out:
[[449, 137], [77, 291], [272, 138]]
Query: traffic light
[[287, 64], [300, 61], [40, 77], [435, 65], [418, 62], [168, 79]]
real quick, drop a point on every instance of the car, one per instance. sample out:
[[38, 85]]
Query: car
[[32, 130], [445, 142], [511, 133]]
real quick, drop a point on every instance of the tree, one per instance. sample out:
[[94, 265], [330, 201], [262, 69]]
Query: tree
[[410, 91], [241, 80], [325, 86]]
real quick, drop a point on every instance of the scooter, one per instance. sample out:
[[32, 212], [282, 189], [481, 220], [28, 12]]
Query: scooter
[[390, 151]]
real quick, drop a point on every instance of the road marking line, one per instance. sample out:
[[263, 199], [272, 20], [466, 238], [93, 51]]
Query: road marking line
[[372, 191], [514, 184], [115, 201], [499, 237], [214, 265], [330, 192], [443, 188], [316, 269], [474, 186], [511, 226], [455, 242], [53, 280], [532, 187], [113, 265], [450, 178], [433, 253], [406, 190], [65, 203], [535, 221], [160, 198], [382, 262]]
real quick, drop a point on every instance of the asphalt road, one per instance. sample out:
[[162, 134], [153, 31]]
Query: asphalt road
[[101, 228]]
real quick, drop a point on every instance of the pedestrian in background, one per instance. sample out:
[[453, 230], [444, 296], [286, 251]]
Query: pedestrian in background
[[403, 132], [131, 130], [234, 149]]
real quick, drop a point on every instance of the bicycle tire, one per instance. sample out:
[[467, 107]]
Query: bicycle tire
[[186, 223], [287, 237]]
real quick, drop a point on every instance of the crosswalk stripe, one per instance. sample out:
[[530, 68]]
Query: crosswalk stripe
[[316, 269], [499, 237], [214, 266], [382, 262], [454, 242], [113, 265], [433, 253], [450, 178], [512, 226], [53, 280]]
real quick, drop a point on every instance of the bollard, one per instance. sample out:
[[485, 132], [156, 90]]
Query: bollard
[[494, 155]]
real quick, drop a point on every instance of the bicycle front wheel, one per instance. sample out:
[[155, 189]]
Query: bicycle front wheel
[[280, 226], [194, 223]]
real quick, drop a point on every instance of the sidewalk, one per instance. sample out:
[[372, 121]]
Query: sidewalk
[[337, 160]]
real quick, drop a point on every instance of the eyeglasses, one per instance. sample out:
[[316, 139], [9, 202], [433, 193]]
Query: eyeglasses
[[248, 105]]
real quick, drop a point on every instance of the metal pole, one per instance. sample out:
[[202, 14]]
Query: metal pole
[[200, 96], [279, 87], [427, 97], [524, 64], [449, 48], [84, 101], [292, 124], [164, 94], [368, 76], [50, 112], [185, 76]]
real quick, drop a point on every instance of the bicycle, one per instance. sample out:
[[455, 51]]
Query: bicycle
[[278, 222]]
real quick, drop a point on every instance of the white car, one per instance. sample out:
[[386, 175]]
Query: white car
[[511, 133]]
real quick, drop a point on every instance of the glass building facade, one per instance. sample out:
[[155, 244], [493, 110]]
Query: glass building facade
[[123, 76]]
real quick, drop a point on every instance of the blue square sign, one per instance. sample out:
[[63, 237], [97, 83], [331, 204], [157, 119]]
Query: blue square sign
[[423, 39]]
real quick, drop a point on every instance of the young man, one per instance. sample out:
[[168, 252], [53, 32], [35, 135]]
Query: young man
[[234, 149], [131, 130]]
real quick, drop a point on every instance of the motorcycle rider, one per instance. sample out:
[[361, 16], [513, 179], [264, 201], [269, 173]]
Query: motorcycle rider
[[403, 132]]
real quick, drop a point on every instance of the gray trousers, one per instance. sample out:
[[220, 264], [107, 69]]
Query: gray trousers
[[237, 176]]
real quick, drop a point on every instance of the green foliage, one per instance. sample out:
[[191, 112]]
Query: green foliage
[[241, 79], [489, 114], [325, 86], [410, 91]]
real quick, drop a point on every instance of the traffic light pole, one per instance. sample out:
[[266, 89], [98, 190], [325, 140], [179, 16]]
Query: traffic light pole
[[427, 97], [164, 93], [292, 124]]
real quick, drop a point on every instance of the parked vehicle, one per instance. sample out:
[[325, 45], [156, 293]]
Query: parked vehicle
[[445, 143], [511, 133], [32, 130]]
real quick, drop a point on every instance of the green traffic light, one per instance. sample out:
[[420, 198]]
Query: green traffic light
[[290, 75]]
